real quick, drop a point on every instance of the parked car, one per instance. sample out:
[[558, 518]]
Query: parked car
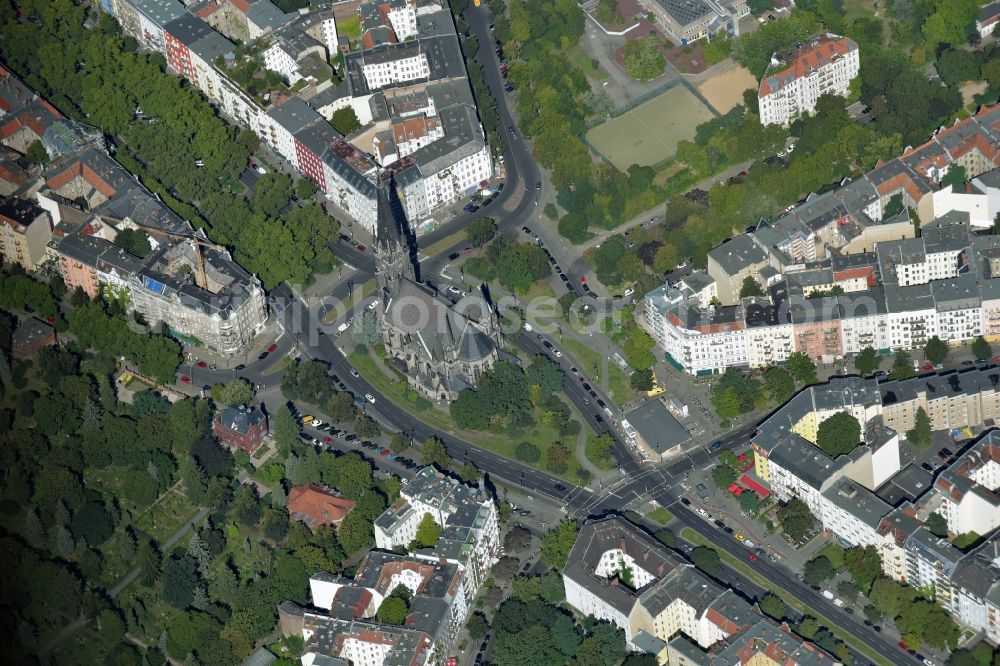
[[273, 347]]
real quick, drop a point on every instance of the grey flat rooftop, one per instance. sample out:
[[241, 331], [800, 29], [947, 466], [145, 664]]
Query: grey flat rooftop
[[657, 426]]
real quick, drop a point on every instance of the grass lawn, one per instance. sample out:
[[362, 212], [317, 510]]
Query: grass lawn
[[590, 68], [834, 553], [349, 27], [504, 444], [166, 516], [786, 595], [660, 515], [590, 361]]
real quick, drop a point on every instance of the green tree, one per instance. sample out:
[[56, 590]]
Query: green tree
[[779, 384], [399, 442], [981, 349], [557, 458], [937, 524], [643, 60], [818, 570], [237, 391], [345, 120], [751, 288], [921, 434], [796, 519], [839, 434], [867, 361], [902, 366], [180, 578], [286, 430], [36, 153], [527, 452], [772, 605], [340, 407], [936, 350], [304, 189], [427, 533], [557, 542], [133, 241], [432, 452], [801, 367], [723, 475], [707, 559], [864, 565], [393, 610], [481, 231], [477, 626], [271, 193], [951, 22]]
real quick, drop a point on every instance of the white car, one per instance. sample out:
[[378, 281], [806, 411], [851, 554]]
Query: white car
[[316, 423], [370, 398], [261, 170], [371, 306], [557, 353], [454, 290], [629, 291], [343, 327]]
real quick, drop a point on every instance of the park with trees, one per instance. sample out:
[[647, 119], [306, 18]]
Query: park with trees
[[101, 483]]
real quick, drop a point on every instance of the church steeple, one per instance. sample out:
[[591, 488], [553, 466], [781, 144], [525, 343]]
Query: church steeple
[[392, 251]]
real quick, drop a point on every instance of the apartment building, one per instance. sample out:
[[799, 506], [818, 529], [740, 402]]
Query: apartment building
[[224, 312], [617, 573], [92, 264], [850, 495], [793, 84], [25, 230], [470, 528], [732, 262], [342, 623], [844, 279], [417, 53]]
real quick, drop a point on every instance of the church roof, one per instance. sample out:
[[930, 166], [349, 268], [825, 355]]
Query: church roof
[[440, 330]]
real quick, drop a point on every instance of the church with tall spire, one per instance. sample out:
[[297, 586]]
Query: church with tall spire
[[440, 349]]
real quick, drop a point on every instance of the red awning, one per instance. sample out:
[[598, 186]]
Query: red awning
[[754, 486]]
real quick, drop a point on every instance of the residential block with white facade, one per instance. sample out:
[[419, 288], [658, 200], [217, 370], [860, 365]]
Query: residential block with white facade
[[793, 84]]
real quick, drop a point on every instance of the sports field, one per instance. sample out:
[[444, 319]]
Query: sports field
[[649, 133], [724, 91]]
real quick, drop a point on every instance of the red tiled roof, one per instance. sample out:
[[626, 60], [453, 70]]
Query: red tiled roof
[[812, 56], [317, 506]]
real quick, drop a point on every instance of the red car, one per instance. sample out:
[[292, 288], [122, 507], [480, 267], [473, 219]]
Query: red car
[[273, 348], [583, 279], [361, 248], [202, 364], [384, 452], [753, 557], [185, 379], [902, 645], [466, 250], [327, 439], [927, 367]]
